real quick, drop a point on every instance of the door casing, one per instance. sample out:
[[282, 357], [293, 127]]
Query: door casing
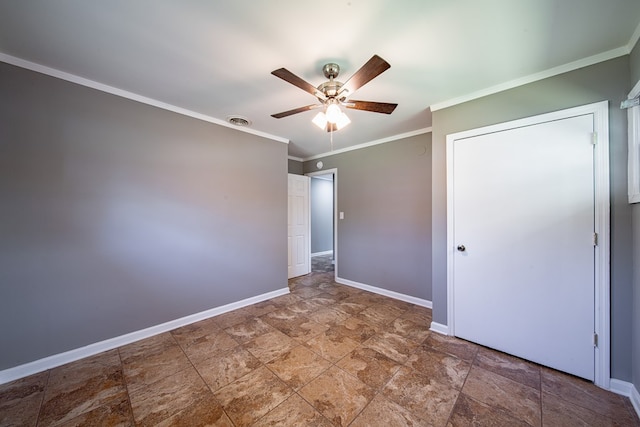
[[600, 113]]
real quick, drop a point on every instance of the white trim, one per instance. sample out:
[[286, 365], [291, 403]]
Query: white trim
[[439, 328], [627, 389], [633, 136], [371, 143], [635, 400], [322, 253], [600, 111], [581, 63], [297, 159], [634, 39], [59, 359], [333, 171], [387, 293], [620, 387], [130, 95]]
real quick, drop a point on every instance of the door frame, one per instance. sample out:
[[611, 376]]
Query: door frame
[[600, 111], [333, 171]]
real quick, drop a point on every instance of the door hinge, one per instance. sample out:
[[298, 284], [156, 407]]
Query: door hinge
[[594, 138], [595, 339], [595, 239]]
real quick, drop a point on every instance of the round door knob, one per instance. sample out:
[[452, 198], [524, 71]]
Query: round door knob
[[461, 248]]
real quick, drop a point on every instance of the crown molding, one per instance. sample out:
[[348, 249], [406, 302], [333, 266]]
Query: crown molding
[[571, 66], [634, 39], [369, 144], [42, 69]]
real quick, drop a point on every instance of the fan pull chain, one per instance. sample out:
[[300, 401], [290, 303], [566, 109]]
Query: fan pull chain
[[331, 139]]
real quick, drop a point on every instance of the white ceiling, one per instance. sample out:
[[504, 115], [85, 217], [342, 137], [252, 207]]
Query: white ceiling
[[214, 57]]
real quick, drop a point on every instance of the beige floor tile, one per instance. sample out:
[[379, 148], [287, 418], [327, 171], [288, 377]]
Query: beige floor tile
[[420, 395], [268, 346], [82, 386], [303, 307], [350, 307], [391, 345], [369, 366], [442, 367], [204, 412], [231, 318], [147, 347], [508, 366], [249, 398], [20, 400], [582, 393], [328, 316], [261, 308], [379, 314], [419, 315], [141, 371], [382, 412], [298, 366], [468, 412], [330, 347], [558, 412], [337, 395], [464, 350], [185, 335], [519, 400], [408, 329], [248, 330], [225, 368], [354, 328], [167, 397], [293, 412], [208, 346], [116, 413]]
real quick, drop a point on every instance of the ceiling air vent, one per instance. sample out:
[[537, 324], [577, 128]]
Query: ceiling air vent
[[239, 121]]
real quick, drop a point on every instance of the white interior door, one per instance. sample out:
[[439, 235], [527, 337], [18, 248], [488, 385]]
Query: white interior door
[[298, 226], [523, 230]]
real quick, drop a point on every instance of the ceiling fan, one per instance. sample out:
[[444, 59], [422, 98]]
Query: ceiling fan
[[332, 94]]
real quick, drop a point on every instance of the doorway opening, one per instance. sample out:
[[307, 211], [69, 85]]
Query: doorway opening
[[322, 214]]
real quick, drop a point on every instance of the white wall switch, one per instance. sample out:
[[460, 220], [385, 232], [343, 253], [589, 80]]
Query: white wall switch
[[341, 215]]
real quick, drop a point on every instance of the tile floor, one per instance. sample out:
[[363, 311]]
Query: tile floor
[[324, 355]]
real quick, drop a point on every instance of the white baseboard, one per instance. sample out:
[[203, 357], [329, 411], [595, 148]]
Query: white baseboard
[[627, 389], [322, 253], [439, 328], [387, 293], [635, 400], [55, 360]]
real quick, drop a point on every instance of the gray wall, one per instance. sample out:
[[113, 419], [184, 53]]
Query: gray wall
[[635, 212], [604, 81], [295, 167], [116, 216], [383, 190], [321, 215]]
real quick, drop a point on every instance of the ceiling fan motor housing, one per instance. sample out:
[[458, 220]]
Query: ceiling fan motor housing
[[332, 87]]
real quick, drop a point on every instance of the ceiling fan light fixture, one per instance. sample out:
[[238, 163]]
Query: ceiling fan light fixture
[[333, 113], [320, 120], [342, 121]]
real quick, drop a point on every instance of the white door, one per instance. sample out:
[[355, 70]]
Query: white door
[[298, 229], [523, 226]]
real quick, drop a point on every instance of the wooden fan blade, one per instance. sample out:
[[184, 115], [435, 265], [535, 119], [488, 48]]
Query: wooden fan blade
[[296, 111], [376, 107], [289, 77], [373, 68]]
